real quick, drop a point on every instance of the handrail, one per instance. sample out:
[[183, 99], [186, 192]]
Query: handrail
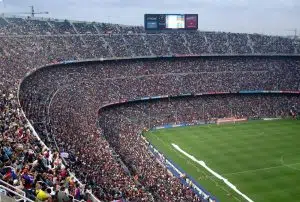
[[16, 193], [9, 185], [22, 113]]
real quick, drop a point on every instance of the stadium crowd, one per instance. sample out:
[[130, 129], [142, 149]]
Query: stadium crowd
[[52, 40], [68, 106], [191, 109], [62, 102], [27, 164], [122, 123]]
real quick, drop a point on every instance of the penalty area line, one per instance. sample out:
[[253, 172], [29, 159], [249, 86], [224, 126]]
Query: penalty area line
[[202, 163]]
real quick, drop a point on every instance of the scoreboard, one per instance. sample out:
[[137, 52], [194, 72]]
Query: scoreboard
[[171, 21]]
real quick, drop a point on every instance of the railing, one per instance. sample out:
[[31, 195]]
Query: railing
[[22, 197], [148, 98], [8, 186], [92, 196], [177, 172]]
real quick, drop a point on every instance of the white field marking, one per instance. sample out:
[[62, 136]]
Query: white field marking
[[202, 163], [234, 135], [259, 169], [198, 170], [289, 165], [210, 138]]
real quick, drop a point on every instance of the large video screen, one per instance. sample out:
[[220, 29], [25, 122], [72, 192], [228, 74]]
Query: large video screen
[[171, 21], [175, 22]]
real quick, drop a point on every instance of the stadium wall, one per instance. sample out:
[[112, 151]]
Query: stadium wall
[[176, 171]]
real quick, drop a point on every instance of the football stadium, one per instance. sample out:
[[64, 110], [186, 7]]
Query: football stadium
[[163, 112]]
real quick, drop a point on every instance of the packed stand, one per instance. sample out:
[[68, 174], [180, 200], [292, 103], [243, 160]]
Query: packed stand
[[26, 44], [193, 109], [129, 41], [28, 165], [70, 105], [122, 125]]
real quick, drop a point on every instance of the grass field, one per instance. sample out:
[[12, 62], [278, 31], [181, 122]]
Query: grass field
[[261, 158]]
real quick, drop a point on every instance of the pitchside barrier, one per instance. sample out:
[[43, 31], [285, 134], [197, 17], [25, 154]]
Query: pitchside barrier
[[200, 191], [185, 179], [176, 171]]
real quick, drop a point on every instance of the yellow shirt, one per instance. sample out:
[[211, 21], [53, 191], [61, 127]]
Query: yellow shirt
[[41, 195]]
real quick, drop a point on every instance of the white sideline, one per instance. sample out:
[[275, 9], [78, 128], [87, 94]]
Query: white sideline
[[202, 163]]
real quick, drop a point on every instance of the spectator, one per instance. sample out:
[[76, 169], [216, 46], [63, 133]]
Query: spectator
[[62, 102], [62, 196]]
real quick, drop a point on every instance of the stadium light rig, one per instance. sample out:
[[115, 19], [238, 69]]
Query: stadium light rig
[[32, 12]]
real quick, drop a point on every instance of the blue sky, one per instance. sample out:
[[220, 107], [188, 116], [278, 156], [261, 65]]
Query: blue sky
[[276, 17]]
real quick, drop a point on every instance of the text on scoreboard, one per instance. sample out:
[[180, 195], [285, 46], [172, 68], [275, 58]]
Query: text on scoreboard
[[171, 21]]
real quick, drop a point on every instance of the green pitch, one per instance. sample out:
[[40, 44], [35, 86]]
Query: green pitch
[[261, 158]]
